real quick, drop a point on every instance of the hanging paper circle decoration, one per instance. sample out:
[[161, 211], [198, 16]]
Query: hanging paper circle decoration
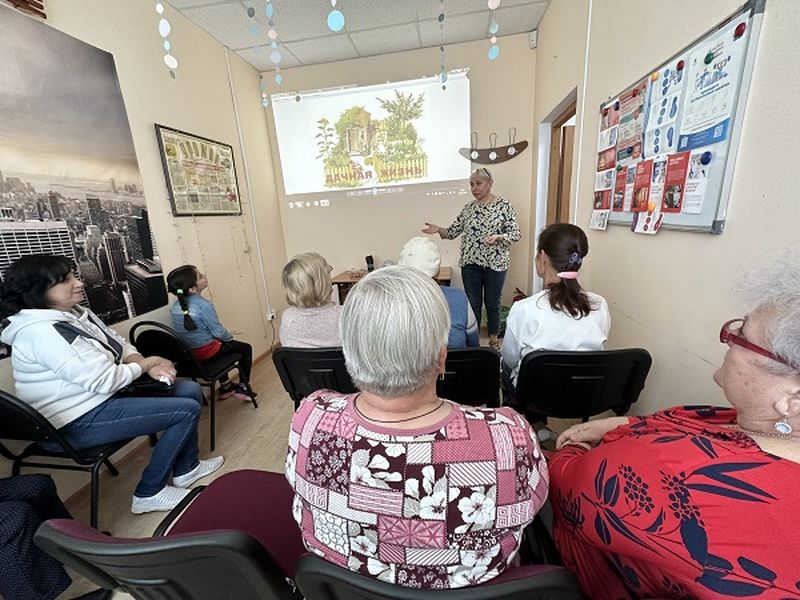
[[494, 52], [251, 12], [275, 57], [278, 78], [494, 27], [443, 76], [274, 45], [335, 20], [272, 34], [164, 28], [493, 4], [170, 61], [167, 45], [265, 102], [159, 8], [270, 10]]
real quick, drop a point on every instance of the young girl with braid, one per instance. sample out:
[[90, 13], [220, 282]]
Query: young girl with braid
[[195, 320], [563, 316]]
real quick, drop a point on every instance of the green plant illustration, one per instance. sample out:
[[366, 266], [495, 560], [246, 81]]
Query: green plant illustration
[[325, 141]]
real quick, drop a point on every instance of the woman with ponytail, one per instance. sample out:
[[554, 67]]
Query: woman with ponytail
[[563, 316], [195, 320]]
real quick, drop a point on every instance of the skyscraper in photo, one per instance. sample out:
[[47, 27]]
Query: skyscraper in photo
[[20, 238]]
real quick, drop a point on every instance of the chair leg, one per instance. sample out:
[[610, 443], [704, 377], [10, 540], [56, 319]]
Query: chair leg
[[95, 500], [212, 401], [111, 468], [15, 468]]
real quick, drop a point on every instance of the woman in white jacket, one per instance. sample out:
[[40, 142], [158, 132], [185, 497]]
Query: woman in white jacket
[[69, 366]]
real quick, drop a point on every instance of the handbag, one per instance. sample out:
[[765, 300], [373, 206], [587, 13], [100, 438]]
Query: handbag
[[146, 387]]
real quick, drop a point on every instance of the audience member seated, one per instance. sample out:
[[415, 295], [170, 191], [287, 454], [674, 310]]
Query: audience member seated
[[395, 483], [195, 321], [695, 502], [563, 316], [423, 254], [26, 572], [70, 367], [311, 320]]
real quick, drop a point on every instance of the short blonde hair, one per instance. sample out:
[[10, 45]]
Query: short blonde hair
[[307, 279]]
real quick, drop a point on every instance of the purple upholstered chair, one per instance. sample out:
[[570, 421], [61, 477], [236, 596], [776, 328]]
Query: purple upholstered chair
[[235, 539]]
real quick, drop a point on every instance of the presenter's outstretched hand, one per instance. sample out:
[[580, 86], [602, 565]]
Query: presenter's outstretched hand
[[431, 228]]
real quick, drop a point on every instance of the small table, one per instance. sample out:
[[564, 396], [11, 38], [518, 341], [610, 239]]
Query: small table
[[346, 280]]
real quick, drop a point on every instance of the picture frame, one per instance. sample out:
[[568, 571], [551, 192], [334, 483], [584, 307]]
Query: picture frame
[[200, 174]]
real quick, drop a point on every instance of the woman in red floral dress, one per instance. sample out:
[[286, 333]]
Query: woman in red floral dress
[[694, 502]]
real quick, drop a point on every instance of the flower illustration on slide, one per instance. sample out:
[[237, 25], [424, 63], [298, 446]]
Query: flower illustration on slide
[[478, 509]]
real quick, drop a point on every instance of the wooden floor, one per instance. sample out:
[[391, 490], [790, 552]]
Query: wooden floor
[[247, 437]]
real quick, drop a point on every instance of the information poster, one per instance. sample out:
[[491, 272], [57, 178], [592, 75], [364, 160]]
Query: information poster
[[677, 165], [641, 186], [631, 122]]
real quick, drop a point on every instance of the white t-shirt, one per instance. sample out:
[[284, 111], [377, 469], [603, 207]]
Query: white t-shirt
[[533, 325]]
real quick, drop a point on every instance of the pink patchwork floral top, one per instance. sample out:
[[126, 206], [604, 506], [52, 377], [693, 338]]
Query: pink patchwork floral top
[[439, 507]]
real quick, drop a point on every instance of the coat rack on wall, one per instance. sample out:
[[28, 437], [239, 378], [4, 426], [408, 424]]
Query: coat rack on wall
[[493, 154]]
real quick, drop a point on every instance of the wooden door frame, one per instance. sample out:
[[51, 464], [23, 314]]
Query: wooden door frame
[[557, 210]]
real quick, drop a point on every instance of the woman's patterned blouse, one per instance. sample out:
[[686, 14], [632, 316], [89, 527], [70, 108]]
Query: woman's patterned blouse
[[438, 507], [477, 220], [677, 505]]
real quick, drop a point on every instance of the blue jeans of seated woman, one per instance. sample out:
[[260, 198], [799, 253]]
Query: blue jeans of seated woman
[[116, 419], [483, 284]]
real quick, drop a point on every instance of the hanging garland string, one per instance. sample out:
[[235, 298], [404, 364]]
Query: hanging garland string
[[494, 49]]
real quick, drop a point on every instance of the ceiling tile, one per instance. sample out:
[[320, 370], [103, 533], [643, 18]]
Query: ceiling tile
[[519, 19], [323, 50], [381, 13], [228, 23], [386, 39], [302, 20], [261, 61], [456, 29], [181, 4]]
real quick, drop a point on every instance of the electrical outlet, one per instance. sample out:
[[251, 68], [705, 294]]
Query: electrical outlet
[[270, 315]]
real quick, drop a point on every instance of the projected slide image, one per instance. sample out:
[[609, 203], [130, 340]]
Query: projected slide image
[[407, 132], [359, 149]]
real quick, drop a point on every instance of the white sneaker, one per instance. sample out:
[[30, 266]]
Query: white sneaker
[[203, 468], [166, 499]]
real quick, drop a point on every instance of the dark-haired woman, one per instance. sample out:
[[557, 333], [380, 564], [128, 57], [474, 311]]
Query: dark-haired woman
[[487, 226], [563, 316], [69, 366], [195, 320]]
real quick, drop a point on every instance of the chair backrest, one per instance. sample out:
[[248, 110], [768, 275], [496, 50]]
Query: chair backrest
[[321, 580], [573, 385], [198, 566], [472, 377], [20, 421], [154, 338], [306, 370]]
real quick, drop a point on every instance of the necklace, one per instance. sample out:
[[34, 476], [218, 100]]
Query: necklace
[[780, 436], [425, 414]]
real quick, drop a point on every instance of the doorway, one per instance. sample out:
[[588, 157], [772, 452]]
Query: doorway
[[559, 179]]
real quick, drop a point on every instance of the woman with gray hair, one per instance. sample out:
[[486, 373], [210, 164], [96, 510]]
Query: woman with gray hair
[[700, 501], [311, 320], [394, 482]]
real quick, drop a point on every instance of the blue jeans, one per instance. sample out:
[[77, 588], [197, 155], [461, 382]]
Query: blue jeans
[[483, 284], [116, 419]]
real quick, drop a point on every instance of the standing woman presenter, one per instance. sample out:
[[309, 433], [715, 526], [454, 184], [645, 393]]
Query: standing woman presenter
[[487, 226]]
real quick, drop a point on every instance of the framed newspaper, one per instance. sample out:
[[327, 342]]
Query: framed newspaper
[[200, 174]]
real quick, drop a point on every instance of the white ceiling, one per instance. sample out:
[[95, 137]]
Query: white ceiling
[[371, 26]]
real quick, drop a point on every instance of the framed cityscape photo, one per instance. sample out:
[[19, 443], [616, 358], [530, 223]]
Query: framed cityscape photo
[[200, 174]]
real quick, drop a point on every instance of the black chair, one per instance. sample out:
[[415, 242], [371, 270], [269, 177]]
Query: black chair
[[578, 385], [306, 370], [19, 421], [154, 338], [471, 377], [214, 547], [318, 579]]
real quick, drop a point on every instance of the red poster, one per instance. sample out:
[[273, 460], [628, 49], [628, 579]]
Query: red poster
[[607, 158], [675, 182], [602, 200], [641, 186], [618, 203]]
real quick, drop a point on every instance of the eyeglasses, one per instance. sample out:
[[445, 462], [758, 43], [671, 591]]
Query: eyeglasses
[[727, 336]]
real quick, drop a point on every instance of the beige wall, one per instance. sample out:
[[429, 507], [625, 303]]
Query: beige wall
[[199, 101], [670, 293], [501, 97]]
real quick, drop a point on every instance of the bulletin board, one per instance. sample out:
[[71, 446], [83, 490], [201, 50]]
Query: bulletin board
[[667, 144]]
